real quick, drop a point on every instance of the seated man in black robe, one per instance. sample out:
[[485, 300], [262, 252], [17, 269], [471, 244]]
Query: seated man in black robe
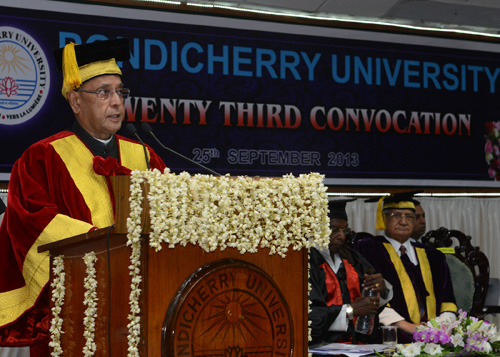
[[418, 273], [337, 276]]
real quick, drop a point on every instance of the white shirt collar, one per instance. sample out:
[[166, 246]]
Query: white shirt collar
[[333, 263], [410, 251], [104, 141]]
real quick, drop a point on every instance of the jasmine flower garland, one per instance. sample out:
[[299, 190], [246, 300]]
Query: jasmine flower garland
[[218, 212], [309, 310], [213, 212], [58, 292], [237, 212], [134, 241], [90, 300]]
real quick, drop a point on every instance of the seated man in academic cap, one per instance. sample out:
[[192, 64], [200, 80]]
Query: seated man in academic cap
[[337, 276], [418, 273], [420, 223], [59, 187]]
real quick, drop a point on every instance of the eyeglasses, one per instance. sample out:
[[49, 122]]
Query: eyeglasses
[[418, 216], [337, 230], [398, 216], [105, 94]]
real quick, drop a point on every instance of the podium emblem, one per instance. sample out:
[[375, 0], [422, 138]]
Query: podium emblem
[[228, 308]]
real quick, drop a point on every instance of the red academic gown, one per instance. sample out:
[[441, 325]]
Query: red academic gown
[[54, 193]]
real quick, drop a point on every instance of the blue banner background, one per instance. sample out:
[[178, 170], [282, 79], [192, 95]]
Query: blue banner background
[[216, 139]]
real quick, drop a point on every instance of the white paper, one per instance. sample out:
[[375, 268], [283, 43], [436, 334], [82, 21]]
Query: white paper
[[333, 349]]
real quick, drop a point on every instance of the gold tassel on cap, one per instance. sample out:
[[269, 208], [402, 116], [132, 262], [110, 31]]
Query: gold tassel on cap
[[380, 225], [71, 73]]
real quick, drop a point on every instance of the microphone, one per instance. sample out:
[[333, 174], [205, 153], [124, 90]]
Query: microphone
[[147, 128], [132, 130]]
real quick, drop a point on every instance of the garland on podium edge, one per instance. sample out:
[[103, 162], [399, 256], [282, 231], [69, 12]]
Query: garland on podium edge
[[58, 293], [240, 212]]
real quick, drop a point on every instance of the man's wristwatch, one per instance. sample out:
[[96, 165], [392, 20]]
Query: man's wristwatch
[[350, 312]]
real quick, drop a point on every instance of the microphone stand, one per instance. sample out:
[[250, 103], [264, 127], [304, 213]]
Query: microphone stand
[[147, 128], [132, 130]]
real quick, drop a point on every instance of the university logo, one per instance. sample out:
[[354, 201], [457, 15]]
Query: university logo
[[24, 76], [228, 308]]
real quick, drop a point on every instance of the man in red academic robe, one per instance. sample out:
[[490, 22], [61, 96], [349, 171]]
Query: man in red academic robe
[[60, 187]]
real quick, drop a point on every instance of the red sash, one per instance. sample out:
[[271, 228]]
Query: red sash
[[332, 284], [334, 296]]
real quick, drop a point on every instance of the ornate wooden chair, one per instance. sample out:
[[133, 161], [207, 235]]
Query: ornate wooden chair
[[469, 268]]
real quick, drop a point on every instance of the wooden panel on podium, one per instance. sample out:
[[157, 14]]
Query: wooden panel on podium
[[121, 192], [163, 272], [111, 308]]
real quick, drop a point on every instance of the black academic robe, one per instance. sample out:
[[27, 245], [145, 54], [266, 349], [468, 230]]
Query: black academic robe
[[436, 286], [323, 313]]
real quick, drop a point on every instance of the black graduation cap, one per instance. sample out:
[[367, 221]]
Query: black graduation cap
[[336, 208], [397, 197], [79, 63], [97, 51]]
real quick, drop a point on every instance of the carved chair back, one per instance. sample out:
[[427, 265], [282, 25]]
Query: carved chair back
[[469, 267]]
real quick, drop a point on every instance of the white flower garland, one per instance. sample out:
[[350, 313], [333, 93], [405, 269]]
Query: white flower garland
[[219, 212], [309, 302], [241, 212], [58, 292], [213, 212], [90, 300], [134, 241]]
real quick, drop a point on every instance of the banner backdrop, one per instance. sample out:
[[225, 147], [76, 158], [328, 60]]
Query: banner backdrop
[[258, 98]]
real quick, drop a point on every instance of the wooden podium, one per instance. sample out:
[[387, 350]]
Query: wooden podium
[[193, 303]]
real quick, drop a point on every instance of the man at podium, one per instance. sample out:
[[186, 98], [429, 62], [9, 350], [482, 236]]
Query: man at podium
[[59, 187]]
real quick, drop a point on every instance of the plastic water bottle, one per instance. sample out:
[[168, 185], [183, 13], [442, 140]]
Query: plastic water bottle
[[365, 324]]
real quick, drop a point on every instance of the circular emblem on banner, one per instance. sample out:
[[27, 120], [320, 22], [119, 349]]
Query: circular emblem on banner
[[228, 308], [24, 76]]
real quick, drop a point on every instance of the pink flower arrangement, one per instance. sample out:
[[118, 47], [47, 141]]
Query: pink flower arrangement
[[466, 335], [492, 148]]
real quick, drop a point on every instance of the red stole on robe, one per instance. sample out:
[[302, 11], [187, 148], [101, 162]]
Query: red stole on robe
[[332, 284], [334, 296]]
